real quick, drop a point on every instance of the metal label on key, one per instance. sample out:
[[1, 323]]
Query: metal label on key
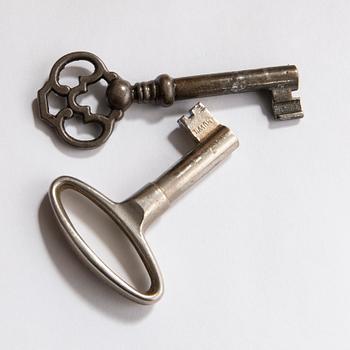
[[164, 90], [214, 142]]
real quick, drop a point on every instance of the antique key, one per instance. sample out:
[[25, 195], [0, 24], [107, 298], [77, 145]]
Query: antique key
[[164, 90], [214, 142]]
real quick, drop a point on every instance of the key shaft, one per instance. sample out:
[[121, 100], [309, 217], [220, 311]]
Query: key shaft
[[214, 143], [165, 90], [237, 82]]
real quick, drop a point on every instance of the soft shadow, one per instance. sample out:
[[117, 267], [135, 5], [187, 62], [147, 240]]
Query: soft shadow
[[184, 143], [153, 114], [181, 140], [79, 278]]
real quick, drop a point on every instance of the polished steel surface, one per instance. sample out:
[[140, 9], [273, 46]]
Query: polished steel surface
[[164, 90], [214, 142]]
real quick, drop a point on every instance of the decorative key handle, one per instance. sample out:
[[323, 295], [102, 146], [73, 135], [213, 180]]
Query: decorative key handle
[[73, 108], [133, 216], [164, 90]]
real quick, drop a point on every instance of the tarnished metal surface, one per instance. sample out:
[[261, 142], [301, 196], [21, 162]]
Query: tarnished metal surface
[[133, 216], [164, 90], [73, 108]]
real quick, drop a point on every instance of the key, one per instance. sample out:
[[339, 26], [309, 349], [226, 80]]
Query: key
[[164, 90], [214, 142]]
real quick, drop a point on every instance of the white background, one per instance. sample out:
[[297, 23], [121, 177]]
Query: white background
[[257, 256]]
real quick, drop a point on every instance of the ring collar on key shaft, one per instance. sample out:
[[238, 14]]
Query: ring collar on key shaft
[[121, 94]]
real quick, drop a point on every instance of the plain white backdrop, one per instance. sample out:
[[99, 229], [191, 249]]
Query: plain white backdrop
[[257, 256]]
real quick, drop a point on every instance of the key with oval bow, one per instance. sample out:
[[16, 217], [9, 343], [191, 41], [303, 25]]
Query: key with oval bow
[[214, 142], [164, 90]]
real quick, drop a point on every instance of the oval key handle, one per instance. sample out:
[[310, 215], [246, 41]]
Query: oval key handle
[[128, 217], [164, 90], [214, 142]]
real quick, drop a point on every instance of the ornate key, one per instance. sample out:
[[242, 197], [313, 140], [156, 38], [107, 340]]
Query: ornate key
[[214, 143], [164, 90]]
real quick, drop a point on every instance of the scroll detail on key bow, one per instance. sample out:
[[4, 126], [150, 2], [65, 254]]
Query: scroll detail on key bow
[[72, 107]]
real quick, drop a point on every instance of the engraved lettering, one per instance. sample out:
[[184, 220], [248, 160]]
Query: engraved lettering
[[202, 126]]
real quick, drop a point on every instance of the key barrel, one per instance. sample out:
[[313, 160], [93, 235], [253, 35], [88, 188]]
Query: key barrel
[[215, 142], [157, 196], [236, 82], [198, 163]]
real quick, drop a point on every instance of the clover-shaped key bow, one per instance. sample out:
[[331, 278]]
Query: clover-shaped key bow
[[71, 93]]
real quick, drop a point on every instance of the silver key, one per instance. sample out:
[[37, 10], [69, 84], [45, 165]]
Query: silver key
[[214, 142]]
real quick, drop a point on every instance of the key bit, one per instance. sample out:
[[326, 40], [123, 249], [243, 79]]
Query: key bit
[[164, 90], [134, 215], [200, 123]]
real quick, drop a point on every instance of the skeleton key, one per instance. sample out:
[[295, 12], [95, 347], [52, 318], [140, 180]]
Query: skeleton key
[[214, 142], [164, 90]]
